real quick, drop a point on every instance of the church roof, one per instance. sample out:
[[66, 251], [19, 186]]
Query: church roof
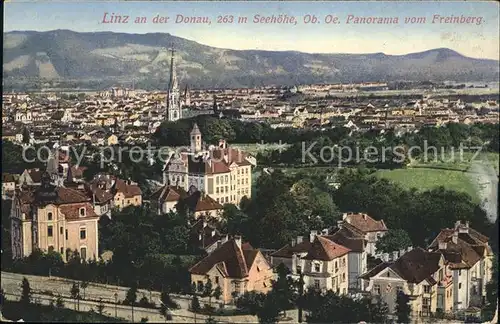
[[196, 130]]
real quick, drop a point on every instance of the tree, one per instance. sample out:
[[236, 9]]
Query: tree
[[26, 292], [100, 307], [217, 292], [195, 304], [211, 320], [393, 240], [2, 298], [59, 302], [270, 310], [131, 296], [403, 308], [75, 292], [283, 288], [251, 301], [144, 320], [84, 284]]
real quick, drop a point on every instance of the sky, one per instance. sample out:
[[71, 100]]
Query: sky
[[480, 41]]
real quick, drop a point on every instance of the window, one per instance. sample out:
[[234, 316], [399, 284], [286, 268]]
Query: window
[[399, 289], [216, 280], [227, 199], [316, 267], [226, 179], [336, 266], [343, 277], [227, 189], [237, 287], [62, 251], [376, 288], [316, 284], [427, 289], [200, 285], [459, 272], [83, 233], [216, 180], [66, 234], [82, 211], [49, 231], [49, 216], [61, 230], [459, 285], [343, 291], [216, 189], [51, 248], [83, 253]]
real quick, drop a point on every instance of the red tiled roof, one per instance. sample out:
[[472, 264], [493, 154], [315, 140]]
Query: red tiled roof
[[72, 212], [207, 203], [128, 190], [413, 266], [365, 223], [231, 255], [325, 250], [343, 237], [7, 177], [169, 193], [288, 250]]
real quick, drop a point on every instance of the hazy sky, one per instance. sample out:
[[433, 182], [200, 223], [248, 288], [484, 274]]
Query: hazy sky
[[473, 40]]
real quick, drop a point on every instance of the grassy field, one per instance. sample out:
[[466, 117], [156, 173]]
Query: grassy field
[[449, 174], [426, 178]]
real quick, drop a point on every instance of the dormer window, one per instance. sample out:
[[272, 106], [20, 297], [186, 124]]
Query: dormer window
[[49, 216], [316, 267], [82, 212]]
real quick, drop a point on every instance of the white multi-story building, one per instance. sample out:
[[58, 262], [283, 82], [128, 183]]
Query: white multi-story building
[[223, 173]]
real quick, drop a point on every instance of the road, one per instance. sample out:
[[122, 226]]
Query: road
[[44, 286], [485, 179]]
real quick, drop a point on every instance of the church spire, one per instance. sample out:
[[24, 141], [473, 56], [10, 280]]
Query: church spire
[[173, 109]]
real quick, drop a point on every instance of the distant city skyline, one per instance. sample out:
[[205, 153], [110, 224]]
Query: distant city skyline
[[478, 41]]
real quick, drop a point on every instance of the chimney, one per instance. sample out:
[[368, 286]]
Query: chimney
[[442, 245], [454, 237], [364, 216], [213, 233], [222, 144], [300, 239], [344, 216], [401, 252], [325, 231], [199, 237], [294, 242], [339, 223], [237, 240], [395, 255], [204, 223], [312, 236], [457, 224], [385, 257], [409, 249]]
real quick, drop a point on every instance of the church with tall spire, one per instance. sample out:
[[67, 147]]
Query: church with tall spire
[[173, 102]]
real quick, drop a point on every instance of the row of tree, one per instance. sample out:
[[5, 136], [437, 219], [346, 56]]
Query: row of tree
[[236, 131]]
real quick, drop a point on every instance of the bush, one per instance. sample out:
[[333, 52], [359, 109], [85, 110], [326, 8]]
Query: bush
[[144, 319]]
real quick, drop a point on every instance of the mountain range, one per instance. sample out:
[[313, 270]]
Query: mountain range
[[117, 58]]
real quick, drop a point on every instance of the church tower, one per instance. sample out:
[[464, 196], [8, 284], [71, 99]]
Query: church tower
[[173, 103], [195, 139]]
